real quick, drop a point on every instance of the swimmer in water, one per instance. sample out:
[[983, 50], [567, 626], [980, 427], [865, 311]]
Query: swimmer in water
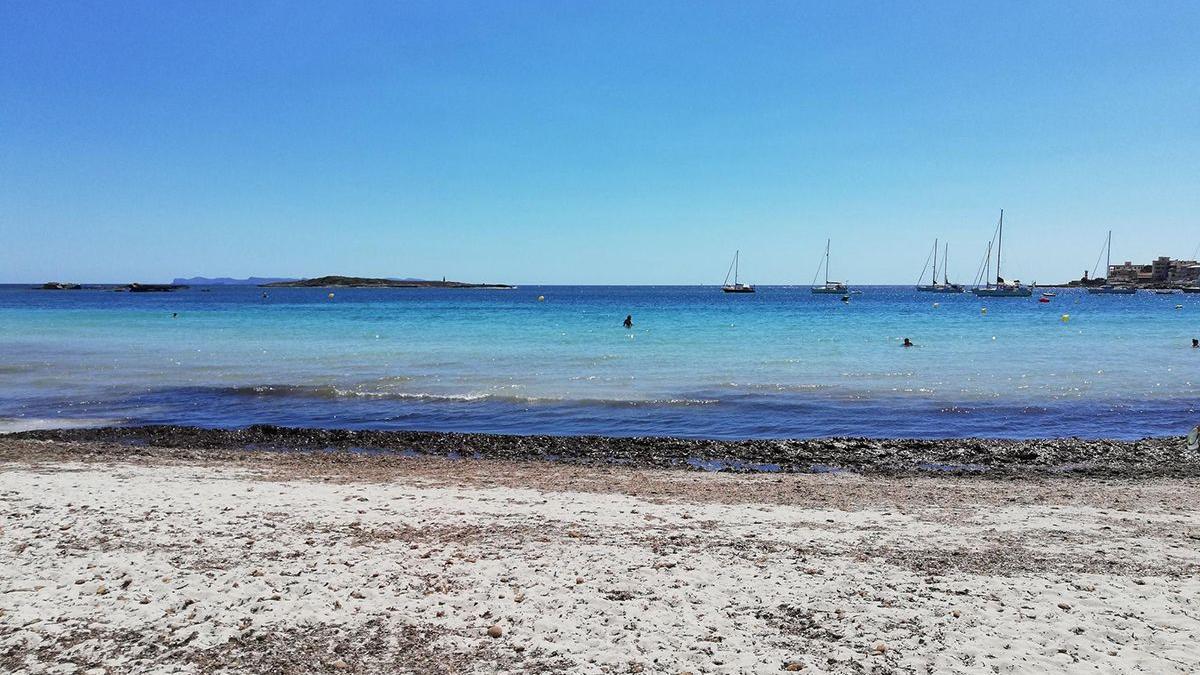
[[1195, 343], [174, 315], [629, 321], [908, 343]]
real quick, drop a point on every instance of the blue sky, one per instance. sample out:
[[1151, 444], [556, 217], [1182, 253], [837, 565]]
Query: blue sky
[[610, 142]]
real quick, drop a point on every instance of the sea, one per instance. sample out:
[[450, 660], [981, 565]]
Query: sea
[[780, 363]]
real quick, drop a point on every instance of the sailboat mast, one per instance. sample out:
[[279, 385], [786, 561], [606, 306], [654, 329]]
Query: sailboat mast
[[988, 274], [826, 262], [935, 261], [999, 247], [736, 255], [945, 261], [1108, 256]]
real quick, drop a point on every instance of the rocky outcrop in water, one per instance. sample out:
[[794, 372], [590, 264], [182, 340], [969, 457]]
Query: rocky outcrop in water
[[368, 282]]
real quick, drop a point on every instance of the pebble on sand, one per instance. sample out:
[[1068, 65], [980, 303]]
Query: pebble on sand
[[495, 631]]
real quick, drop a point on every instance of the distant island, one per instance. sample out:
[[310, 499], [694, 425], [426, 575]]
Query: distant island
[[227, 281], [367, 282]]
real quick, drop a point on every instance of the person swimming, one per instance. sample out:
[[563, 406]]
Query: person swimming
[[1195, 343], [908, 343], [629, 321], [174, 315]]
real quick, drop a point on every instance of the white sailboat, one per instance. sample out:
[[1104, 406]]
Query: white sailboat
[[1001, 288], [735, 287], [1108, 288], [934, 287], [830, 287]]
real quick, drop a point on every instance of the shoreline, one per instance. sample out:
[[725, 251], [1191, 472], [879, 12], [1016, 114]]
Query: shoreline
[[142, 559], [989, 458]]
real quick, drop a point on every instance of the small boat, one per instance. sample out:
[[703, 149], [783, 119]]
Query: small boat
[[830, 287], [1107, 288], [934, 287], [1165, 291], [1190, 289], [735, 287], [1001, 288], [1048, 294]]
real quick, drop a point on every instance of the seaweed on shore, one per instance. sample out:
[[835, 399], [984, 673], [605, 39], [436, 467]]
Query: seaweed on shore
[[1150, 457]]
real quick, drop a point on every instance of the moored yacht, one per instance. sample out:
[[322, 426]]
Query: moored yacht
[[830, 287], [934, 287], [736, 286], [1107, 288], [1000, 288]]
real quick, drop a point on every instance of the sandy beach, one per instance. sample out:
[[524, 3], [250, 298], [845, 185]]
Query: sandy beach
[[175, 560]]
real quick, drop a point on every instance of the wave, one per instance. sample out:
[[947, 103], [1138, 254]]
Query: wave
[[337, 393]]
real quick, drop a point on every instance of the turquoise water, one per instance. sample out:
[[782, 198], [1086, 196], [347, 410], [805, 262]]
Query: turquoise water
[[779, 363]]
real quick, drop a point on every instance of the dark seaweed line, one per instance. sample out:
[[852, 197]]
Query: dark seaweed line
[[1150, 457]]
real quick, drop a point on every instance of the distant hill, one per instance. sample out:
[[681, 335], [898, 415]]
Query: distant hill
[[367, 282], [226, 281]]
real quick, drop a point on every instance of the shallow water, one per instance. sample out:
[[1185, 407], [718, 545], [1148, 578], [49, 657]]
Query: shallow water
[[779, 363]]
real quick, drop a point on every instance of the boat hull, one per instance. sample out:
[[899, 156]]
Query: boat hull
[[941, 289], [830, 291], [737, 289], [1003, 292], [1112, 291], [1190, 289]]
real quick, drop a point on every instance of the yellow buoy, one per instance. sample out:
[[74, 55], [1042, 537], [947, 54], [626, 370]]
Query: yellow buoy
[[1065, 318], [541, 298]]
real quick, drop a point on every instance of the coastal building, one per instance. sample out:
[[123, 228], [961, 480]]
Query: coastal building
[[1163, 270]]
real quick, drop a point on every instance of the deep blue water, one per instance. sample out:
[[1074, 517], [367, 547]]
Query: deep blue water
[[779, 363]]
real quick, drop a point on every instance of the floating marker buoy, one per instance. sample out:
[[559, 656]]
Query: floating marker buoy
[[1065, 318], [1044, 300], [541, 298], [331, 296], [983, 310], [936, 305], [1178, 306]]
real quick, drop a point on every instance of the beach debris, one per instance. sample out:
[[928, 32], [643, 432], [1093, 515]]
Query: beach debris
[[794, 666], [495, 631], [1066, 607]]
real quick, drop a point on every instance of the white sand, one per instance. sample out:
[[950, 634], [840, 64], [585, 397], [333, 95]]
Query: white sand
[[165, 568]]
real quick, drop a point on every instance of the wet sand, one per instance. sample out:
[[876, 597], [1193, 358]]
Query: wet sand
[[145, 559]]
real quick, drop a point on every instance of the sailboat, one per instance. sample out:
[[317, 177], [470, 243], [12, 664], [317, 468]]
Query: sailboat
[[1107, 288], [934, 286], [735, 287], [831, 287], [1001, 288]]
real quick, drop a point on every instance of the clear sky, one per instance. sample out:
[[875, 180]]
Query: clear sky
[[592, 142]]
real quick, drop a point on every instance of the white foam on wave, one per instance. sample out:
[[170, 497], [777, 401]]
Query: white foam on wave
[[11, 425]]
